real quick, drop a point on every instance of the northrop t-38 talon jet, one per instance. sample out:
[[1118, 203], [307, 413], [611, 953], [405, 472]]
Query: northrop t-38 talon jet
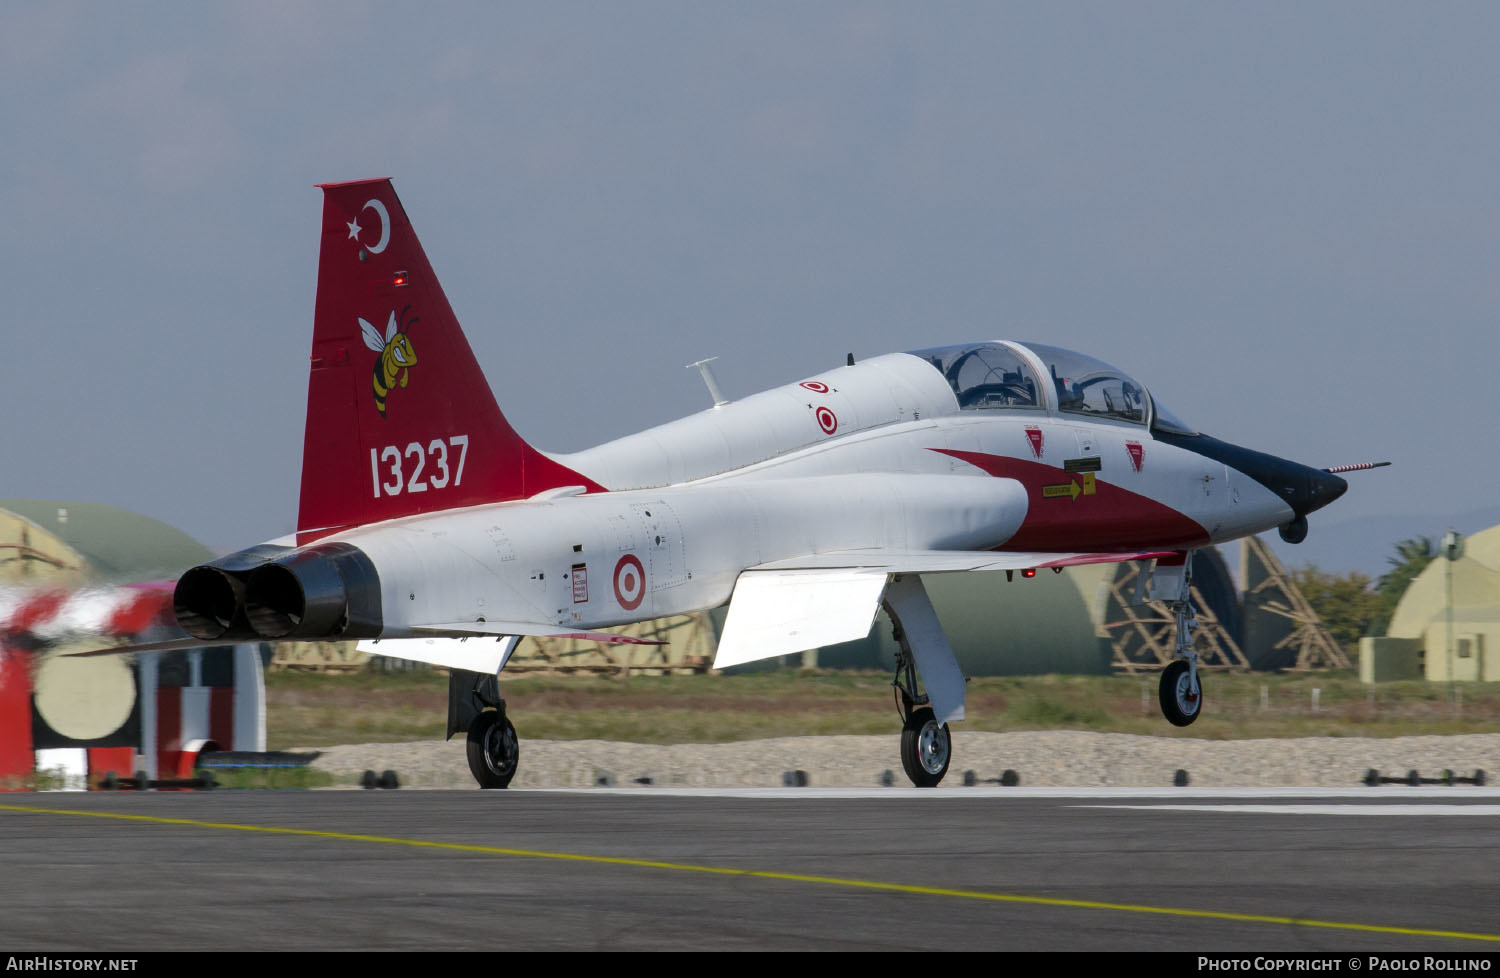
[[429, 529]]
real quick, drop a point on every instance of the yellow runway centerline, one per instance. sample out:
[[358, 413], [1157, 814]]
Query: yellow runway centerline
[[874, 885]]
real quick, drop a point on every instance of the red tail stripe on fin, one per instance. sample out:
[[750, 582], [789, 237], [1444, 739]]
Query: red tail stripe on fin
[[400, 418]]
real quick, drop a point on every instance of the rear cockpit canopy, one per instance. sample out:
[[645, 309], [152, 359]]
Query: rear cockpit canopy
[[986, 375], [1001, 375]]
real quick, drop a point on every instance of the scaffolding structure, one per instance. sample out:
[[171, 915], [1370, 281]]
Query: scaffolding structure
[[1269, 589], [1143, 637]]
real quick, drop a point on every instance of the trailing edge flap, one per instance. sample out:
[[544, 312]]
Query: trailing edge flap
[[777, 612], [947, 561]]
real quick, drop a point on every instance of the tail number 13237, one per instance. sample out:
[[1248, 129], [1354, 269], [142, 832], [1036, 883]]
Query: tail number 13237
[[394, 470]]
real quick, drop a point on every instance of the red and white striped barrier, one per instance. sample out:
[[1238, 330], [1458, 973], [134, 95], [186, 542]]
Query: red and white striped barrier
[[92, 715], [50, 616]]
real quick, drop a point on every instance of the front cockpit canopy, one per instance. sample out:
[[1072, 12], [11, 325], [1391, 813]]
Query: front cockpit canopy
[[1092, 387], [1004, 375]]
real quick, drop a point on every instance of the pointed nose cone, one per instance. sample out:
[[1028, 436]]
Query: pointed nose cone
[[1317, 489], [1301, 487]]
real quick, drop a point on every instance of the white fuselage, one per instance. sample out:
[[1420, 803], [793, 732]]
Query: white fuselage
[[876, 456]]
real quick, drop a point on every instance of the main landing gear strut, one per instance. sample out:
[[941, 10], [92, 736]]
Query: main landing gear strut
[[475, 705], [926, 745]]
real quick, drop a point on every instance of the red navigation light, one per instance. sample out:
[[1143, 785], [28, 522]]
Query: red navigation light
[[399, 279], [1029, 572]]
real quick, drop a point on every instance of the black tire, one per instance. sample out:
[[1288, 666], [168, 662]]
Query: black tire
[[1178, 704], [493, 750], [926, 748]]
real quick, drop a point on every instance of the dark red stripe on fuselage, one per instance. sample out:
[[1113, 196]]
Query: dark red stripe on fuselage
[[1110, 518]]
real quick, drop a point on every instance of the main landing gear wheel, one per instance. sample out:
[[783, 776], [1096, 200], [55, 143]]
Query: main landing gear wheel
[[925, 748], [493, 749], [1180, 703]]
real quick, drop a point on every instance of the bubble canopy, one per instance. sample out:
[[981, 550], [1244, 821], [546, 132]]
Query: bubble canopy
[[1035, 377]]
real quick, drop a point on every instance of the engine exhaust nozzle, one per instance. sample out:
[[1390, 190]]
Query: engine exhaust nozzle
[[207, 602]]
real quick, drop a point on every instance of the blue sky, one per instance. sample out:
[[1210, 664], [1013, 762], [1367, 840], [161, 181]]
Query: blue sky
[[1283, 218]]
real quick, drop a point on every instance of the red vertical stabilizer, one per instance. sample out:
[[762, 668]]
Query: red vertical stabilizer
[[400, 419]]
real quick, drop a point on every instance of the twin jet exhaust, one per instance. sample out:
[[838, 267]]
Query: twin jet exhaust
[[327, 591]]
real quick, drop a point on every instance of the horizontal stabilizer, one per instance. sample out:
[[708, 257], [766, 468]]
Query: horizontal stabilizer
[[777, 612], [442, 644], [171, 645], [949, 561]]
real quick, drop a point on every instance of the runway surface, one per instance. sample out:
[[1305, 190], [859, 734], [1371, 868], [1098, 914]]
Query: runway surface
[[1406, 869]]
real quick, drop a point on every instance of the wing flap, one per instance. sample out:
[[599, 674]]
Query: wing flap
[[777, 612]]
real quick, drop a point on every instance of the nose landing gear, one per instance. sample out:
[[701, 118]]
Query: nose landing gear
[[1181, 692]]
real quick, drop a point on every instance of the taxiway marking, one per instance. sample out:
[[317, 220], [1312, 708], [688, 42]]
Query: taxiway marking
[[868, 885]]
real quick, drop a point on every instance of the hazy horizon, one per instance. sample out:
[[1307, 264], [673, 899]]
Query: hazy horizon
[[1281, 219]]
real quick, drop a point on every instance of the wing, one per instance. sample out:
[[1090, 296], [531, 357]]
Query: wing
[[777, 612], [807, 602]]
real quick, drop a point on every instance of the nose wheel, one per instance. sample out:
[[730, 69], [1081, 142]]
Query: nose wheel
[[1181, 693]]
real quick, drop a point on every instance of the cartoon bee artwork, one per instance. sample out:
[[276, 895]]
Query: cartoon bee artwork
[[396, 355]]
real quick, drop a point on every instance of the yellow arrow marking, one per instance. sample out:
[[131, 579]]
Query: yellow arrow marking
[[1071, 490], [1068, 490]]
